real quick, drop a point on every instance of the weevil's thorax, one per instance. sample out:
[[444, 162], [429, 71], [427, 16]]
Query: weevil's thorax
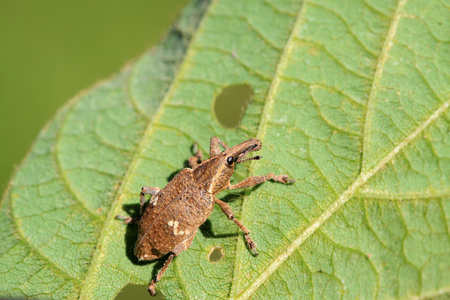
[[214, 174]]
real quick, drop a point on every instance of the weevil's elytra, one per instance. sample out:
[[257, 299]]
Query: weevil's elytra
[[169, 221]]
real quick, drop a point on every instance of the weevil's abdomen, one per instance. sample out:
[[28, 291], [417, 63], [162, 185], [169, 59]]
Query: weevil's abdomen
[[172, 216]]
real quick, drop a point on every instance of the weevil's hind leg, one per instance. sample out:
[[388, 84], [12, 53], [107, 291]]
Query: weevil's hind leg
[[151, 287], [178, 249], [145, 190], [198, 157], [227, 211], [214, 146], [252, 181]]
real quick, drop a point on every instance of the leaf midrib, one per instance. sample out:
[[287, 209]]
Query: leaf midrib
[[86, 290], [388, 43], [261, 134], [263, 127]]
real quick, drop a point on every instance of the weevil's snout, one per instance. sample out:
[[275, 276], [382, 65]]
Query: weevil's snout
[[246, 147], [255, 145]]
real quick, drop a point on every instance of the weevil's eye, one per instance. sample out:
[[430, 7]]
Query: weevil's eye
[[230, 160]]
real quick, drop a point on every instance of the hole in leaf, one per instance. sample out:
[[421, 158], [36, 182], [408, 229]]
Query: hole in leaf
[[137, 292], [231, 103], [216, 254]]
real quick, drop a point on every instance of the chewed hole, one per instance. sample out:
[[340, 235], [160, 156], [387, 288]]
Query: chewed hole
[[138, 292], [231, 103], [215, 254]]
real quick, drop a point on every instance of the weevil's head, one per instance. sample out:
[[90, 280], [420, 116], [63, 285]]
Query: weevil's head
[[215, 173], [236, 154]]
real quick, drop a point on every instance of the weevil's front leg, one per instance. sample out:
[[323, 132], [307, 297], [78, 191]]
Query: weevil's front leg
[[145, 191], [252, 181], [230, 215], [198, 157], [214, 146]]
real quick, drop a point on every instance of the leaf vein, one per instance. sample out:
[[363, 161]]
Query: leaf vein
[[332, 88], [36, 251], [236, 58], [144, 142], [334, 58], [328, 122], [264, 123], [342, 19], [276, 9], [335, 206], [381, 195], [62, 175], [377, 76], [127, 89]]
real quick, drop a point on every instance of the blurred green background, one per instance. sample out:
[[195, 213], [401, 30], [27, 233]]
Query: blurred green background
[[52, 49]]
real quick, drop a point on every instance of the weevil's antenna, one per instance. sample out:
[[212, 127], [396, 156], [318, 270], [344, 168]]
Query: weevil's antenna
[[258, 157]]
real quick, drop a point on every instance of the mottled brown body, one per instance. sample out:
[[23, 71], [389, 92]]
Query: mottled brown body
[[169, 221], [180, 208]]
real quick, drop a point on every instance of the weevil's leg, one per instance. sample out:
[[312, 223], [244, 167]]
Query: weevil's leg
[[176, 251], [151, 287], [128, 220], [198, 157], [145, 191], [252, 181], [214, 146], [230, 215], [193, 162]]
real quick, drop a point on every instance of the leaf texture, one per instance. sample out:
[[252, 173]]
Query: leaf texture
[[350, 98]]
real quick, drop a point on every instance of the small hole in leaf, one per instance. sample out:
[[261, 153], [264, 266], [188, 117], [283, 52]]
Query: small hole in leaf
[[231, 103], [216, 254], [138, 292]]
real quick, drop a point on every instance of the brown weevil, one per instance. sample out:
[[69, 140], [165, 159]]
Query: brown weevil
[[169, 221]]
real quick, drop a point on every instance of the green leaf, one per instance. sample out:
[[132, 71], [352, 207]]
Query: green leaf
[[350, 98]]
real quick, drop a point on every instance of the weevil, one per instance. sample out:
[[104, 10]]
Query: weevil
[[169, 221]]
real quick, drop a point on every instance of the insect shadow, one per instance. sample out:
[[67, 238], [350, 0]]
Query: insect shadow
[[132, 233], [207, 228], [207, 231], [130, 239], [174, 173]]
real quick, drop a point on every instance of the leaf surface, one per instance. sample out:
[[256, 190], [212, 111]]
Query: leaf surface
[[350, 98]]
